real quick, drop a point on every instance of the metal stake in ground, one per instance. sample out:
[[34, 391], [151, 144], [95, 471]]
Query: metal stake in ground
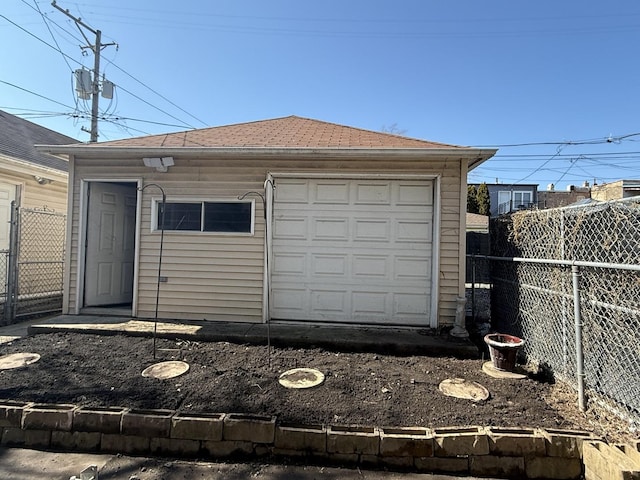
[[263, 197], [155, 318]]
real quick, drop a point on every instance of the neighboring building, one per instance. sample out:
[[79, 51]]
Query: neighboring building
[[360, 227], [616, 190], [33, 179], [510, 198], [552, 198]]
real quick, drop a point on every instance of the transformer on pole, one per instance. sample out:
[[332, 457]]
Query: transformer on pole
[[86, 86]]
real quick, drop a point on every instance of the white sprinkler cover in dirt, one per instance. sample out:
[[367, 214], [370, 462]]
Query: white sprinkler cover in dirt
[[301, 378], [18, 360], [164, 370], [461, 388]]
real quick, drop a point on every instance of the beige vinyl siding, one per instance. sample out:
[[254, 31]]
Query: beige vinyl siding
[[450, 253], [219, 277], [50, 197]]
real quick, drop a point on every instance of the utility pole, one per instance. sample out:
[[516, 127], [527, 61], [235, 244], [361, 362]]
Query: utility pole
[[96, 49]]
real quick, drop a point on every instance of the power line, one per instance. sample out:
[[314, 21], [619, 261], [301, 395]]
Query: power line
[[160, 95], [500, 157], [404, 33], [41, 40], [597, 141], [157, 108], [51, 33], [117, 118], [36, 94]]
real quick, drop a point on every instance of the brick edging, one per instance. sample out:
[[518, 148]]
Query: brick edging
[[504, 452]]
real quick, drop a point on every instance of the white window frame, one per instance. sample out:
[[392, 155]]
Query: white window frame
[[155, 206], [522, 193], [502, 208]]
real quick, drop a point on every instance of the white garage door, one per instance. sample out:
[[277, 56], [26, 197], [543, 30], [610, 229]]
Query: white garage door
[[349, 250]]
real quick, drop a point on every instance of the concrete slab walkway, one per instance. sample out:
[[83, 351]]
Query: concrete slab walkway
[[391, 340], [26, 464]]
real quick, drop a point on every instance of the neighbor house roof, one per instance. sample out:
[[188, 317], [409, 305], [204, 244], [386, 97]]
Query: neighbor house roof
[[286, 132], [18, 137], [477, 222]]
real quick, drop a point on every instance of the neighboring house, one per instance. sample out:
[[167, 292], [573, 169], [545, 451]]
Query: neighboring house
[[616, 190], [510, 198], [552, 198], [33, 179], [360, 226]]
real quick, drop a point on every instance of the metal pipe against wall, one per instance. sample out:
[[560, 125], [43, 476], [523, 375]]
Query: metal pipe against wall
[[575, 275]]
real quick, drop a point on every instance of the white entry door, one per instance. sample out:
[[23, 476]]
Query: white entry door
[[7, 195], [110, 244], [348, 250]]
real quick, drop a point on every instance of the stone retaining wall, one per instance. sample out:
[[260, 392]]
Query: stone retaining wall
[[481, 451]]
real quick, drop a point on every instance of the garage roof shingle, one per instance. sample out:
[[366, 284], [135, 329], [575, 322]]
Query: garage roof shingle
[[285, 132]]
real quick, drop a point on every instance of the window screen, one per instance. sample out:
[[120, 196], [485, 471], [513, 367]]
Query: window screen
[[229, 217], [181, 216]]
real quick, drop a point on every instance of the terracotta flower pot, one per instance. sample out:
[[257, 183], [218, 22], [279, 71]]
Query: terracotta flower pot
[[503, 349]]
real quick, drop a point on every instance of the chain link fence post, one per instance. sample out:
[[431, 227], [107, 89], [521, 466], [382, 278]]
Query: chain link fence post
[[12, 266]]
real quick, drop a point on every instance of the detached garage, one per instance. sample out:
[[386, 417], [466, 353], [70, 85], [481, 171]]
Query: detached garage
[[290, 219]]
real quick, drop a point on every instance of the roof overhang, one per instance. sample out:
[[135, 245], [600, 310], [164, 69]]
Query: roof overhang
[[473, 156], [29, 168]]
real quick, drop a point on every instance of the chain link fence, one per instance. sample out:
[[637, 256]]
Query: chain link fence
[[533, 298], [4, 271], [33, 265]]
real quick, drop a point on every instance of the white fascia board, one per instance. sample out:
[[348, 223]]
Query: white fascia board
[[474, 156]]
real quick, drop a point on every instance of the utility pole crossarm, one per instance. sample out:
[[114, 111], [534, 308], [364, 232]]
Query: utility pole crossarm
[[78, 20], [96, 48]]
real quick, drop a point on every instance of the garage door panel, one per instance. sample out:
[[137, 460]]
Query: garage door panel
[[324, 265], [370, 304], [335, 193], [289, 264], [290, 300], [290, 227], [412, 231], [296, 191], [412, 194], [372, 230], [331, 302], [412, 268], [409, 304], [372, 193], [330, 229], [367, 260], [371, 267]]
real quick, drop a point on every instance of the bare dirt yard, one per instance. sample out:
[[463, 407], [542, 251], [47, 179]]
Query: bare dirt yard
[[360, 388]]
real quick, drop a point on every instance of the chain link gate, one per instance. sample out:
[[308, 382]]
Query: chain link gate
[[533, 298], [34, 264]]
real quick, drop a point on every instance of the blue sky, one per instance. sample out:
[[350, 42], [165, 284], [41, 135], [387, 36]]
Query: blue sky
[[561, 77]]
